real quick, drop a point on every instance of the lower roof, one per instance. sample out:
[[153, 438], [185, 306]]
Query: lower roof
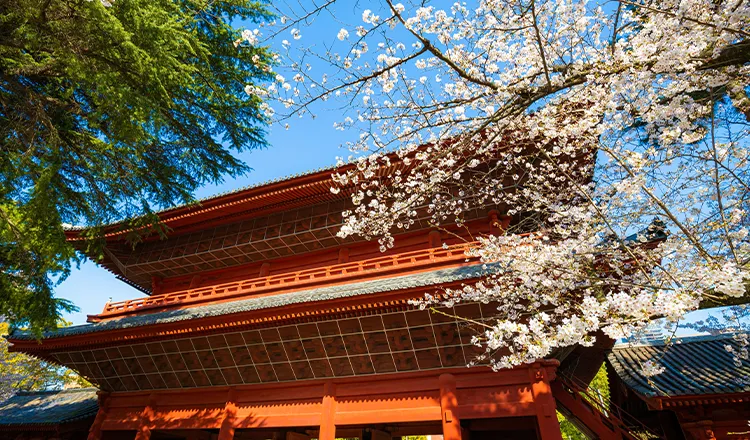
[[48, 407], [422, 279], [699, 365]]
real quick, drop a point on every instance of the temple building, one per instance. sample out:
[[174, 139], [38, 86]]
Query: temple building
[[259, 322]]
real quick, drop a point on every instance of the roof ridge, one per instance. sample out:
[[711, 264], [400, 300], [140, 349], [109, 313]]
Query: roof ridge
[[62, 391], [675, 340], [225, 193]]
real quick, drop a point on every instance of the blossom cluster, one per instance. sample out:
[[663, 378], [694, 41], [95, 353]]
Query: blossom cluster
[[580, 122]]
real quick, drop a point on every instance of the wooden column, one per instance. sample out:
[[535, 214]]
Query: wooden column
[[327, 426], [265, 270], [230, 414], [95, 432], [156, 285], [544, 402], [144, 428], [434, 239], [700, 430], [448, 406], [377, 434], [343, 255]]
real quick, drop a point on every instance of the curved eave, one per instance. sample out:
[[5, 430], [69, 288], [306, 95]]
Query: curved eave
[[700, 399], [298, 186], [224, 204]]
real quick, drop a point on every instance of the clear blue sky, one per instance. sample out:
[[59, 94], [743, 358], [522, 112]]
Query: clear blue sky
[[306, 145]]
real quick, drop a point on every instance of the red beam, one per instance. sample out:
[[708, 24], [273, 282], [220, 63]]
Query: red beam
[[395, 398]]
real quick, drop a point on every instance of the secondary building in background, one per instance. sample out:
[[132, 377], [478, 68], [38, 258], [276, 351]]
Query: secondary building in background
[[703, 392]]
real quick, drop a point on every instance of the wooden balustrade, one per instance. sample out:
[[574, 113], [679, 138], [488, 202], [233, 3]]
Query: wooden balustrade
[[388, 263]]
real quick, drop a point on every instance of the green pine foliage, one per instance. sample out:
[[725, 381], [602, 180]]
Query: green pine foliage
[[107, 112]]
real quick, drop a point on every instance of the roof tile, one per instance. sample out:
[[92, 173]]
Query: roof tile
[[692, 366], [49, 407]]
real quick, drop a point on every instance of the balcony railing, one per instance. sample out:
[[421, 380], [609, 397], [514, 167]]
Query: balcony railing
[[354, 269]]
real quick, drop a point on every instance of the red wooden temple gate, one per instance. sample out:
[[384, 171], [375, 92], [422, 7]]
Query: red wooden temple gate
[[261, 322]]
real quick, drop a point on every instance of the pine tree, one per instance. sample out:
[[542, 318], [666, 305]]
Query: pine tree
[[108, 111]]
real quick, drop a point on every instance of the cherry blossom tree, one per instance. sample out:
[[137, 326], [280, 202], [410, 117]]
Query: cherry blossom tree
[[583, 120]]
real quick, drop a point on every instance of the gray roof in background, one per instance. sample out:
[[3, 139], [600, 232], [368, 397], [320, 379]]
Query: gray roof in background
[[697, 365], [49, 407], [656, 231], [144, 318]]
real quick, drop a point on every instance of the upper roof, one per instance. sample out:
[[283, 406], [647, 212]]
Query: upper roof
[[296, 186], [698, 365], [225, 194], [48, 407], [275, 219]]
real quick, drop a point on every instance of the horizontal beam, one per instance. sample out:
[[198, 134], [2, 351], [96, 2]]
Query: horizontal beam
[[389, 399]]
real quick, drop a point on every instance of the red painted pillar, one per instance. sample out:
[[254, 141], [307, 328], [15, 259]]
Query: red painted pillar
[[448, 407], [143, 433], [544, 402], [327, 425], [144, 429], [226, 432], [701, 430], [95, 432], [435, 239], [343, 255]]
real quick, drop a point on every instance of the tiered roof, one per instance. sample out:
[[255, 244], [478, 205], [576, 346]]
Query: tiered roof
[[311, 296], [233, 234]]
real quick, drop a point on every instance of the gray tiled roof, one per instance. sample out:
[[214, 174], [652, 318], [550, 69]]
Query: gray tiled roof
[[693, 366], [272, 301], [49, 407]]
